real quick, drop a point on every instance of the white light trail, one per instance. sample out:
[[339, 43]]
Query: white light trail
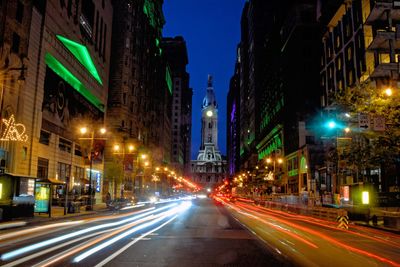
[[185, 205], [20, 251], [115, 254]]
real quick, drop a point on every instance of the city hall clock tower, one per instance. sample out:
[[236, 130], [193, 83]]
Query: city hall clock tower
[[209, 168]]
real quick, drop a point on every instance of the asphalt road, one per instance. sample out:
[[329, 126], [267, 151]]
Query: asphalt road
[[200, 232], [169, 234], [205, 235]]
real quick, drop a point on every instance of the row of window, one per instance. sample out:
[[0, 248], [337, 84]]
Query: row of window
[[63, 170]]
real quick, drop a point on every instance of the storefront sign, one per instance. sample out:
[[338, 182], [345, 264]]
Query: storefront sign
[[98, 182]]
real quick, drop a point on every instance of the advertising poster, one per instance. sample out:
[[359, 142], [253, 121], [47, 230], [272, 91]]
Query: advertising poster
[[42, 197]]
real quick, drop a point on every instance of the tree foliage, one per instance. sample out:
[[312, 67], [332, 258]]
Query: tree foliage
[[371, 148]]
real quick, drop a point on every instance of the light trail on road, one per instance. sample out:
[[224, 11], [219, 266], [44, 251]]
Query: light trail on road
[[97, 237], [323, 235]]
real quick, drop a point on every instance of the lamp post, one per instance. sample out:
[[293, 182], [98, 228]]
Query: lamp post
[[122, 151], [84, 131], [271, 176]]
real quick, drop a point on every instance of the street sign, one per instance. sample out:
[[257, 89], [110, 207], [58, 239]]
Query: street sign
[[379, 123], [363, 121]]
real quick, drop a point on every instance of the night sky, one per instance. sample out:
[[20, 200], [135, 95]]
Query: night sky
[[211, 29]]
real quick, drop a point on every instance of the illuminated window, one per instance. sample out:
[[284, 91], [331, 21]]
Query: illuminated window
[[349, 53]]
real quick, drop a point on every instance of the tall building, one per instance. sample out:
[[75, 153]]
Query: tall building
[[176, 53], [233, 122], [278, 55], [209, 168], [359, 48], [139, 103], [68, 47]]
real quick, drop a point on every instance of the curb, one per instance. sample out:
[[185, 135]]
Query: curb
[[37, 220]]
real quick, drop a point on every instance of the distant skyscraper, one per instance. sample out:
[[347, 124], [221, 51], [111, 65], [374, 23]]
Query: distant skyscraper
[[209, 167], [176, 54]]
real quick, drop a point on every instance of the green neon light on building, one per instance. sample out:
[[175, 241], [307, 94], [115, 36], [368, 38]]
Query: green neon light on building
[[71, 79], [168, 79], [293, 172], [273, 145], [82, 55], [149, 10], [268, 115]]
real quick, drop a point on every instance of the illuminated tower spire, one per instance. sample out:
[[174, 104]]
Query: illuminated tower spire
[[209, 118]]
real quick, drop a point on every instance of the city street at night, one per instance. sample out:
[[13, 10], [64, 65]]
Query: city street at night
[[173, 234], [198, 232], [200, 133]]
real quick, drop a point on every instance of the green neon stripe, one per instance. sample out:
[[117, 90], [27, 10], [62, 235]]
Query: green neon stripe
[[82, 55], [64, 73], [168, 79]]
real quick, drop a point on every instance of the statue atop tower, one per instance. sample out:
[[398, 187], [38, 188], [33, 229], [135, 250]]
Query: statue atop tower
[[209, 99]]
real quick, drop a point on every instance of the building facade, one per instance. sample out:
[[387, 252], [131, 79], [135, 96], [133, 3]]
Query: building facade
[[209, 168], [140, 94], [176, 54], [359, 49], [233, 122], [277, 59], [66, 88]]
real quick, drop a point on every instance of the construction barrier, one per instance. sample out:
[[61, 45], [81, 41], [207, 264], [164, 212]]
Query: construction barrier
[[343, 221]]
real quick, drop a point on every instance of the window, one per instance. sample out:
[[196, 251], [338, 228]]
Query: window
[[65, 145], [210, 125], [43, 168], [63, 171], [79, 173], [97, 31], [208, 179], [44, 138], [124, 98], [15, 43], [20, 12], [78, 151], [104, 42], [127, 41]]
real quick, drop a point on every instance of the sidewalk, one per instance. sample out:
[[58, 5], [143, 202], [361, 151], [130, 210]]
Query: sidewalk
[[57, 213]]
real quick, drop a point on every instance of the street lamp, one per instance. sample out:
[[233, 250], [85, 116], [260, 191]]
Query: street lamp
[[84, 131], [125, 150], [274, 161]]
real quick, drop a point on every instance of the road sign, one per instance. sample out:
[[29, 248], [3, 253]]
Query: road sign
[[363, 121], [379, 123], [343, 222]]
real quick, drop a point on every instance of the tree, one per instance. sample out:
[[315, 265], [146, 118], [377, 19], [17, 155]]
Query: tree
[[370, 148], [114, 172]]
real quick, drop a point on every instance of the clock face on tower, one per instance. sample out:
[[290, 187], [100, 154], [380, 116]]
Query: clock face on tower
[[209, 113]]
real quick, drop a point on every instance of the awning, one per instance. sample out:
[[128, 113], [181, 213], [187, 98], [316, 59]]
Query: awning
[[14, 175], [51, 181]]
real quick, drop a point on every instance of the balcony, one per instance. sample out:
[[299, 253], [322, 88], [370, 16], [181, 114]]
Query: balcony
[[382, 9], [381, 41], [389, 70]]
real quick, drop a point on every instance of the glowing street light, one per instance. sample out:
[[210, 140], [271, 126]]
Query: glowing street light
[[388, 91], [84, 130]]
